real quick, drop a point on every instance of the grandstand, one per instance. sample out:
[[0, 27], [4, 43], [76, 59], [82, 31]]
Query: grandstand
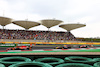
[[33, 35]]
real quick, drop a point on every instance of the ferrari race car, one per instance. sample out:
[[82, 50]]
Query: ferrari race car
[[63, 47], [83, 46], [86, 46], [20, 48]]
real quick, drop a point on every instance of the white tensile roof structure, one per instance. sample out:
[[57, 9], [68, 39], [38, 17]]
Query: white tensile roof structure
[[4, 21], [70, 27], [46, 22], [26, 24], [50, 22]]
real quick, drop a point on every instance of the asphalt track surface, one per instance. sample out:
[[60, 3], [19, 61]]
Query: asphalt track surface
[[33, 48], [57, 52]]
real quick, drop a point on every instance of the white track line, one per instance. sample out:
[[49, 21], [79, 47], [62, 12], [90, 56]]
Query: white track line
[[37, 50], [14, 51]]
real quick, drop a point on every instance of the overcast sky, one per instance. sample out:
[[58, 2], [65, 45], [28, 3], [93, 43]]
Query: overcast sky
[[69, 11]]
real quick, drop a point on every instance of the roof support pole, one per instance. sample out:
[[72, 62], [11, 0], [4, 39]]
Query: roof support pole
[[3, 27], [48, 35]]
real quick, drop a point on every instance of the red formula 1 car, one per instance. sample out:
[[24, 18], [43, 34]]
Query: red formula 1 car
[[20, 48], [83, 46]]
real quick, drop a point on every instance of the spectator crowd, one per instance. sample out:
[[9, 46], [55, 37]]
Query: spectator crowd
[[35, 35]]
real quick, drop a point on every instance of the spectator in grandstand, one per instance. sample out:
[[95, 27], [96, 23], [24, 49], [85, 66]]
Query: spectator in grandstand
[[36, 35]]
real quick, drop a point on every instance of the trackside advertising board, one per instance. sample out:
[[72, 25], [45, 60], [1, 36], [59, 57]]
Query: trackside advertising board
[[13, 45], [23, 44], [7, 45]]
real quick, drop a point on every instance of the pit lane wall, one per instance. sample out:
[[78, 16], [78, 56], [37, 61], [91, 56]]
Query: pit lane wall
[[12, 44]]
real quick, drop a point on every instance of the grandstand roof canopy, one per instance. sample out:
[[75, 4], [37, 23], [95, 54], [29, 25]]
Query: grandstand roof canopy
[[26, 24], [70, 27], [4, 21], [50, 22]]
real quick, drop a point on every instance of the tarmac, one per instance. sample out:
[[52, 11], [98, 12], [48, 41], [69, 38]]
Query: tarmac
[[33, 48], [49, 50]]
